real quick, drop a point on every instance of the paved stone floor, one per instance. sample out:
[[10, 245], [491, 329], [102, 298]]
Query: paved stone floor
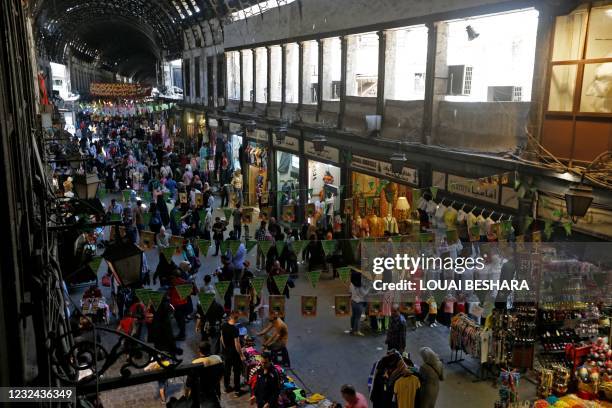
[[324, 356]]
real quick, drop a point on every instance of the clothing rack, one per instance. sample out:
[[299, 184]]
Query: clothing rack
[[460, 324]]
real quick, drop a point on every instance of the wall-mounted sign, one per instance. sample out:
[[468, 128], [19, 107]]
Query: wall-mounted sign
[[235, 127], [260, 135], [409, 175], [509, 198], [212, 123], [471, 188], [329, 153], [438, 179], [290, 143]]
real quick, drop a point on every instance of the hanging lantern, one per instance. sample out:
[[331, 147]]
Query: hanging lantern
[[319, 142], [281, 133], [124, 261], [250, 125], [578, 199], [86, 185], [398, 160]]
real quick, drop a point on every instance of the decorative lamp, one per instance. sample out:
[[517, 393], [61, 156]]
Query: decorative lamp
[[471, 33], [578, 199], [124, 261], [319, 142], [398, 160], [402, 207], [281, 133], [86, 185]]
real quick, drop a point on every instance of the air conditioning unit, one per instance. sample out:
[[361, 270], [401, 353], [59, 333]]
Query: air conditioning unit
[[459, 80], [504, 94]]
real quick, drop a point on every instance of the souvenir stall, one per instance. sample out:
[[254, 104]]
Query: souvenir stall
[[255, 173], [324, 195], [287, 188], [381, 205]]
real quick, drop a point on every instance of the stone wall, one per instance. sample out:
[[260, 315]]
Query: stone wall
[[356, 108], [403, 120]]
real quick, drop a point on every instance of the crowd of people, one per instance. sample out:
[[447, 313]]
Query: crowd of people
[[175, 195]]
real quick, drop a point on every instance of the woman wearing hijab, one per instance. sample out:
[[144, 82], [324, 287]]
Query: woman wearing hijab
[[431, 372], [162, 207]]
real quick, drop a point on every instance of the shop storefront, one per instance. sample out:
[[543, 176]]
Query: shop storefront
[[287, 188], [381, 201], [255, 174]]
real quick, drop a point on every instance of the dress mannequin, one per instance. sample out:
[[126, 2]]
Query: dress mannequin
[[390, 223], [376, 225]]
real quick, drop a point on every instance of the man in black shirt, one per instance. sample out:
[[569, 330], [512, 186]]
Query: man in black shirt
[[232, 353], [268, 385]]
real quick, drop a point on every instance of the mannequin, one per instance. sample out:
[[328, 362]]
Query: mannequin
[[361, 228], [390, 223], [329, 207], [375, 225]]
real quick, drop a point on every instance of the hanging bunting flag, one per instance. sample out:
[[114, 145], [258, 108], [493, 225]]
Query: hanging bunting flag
[[168, 253], [184, 290], [95, 262], [176, 241], [222, 287], [434, 191], [258, 283], [146, 196], [101, 192], [206, 299], [298, 246], [281, 281], [310, 210], [425, 237], [147, 239], [342, 305], [280, 246], [344, 273], [528, 221], [369, 201], [372, 185], [143, 295], [126, 195], [313, 277], [250, 244], [177, 217], [375, 308], [567, 226], [183, 198], [228, 213], [379, 188], [146, 218], [329, 246], [548, 228], [310, 191], [202, 215], [116, 217], [166, 196], [264, 246], [355, 246], [234, 246], [156, 298], [288, 214], [398, 238], [224, 247], [203, 246], [309, 306]]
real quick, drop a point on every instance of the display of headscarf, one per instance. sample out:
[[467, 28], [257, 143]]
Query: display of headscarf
[[465, 335]]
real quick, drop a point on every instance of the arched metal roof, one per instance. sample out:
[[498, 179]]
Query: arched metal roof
[[126, 36]]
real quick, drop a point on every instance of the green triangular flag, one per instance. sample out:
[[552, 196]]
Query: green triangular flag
[[168, 253], [202, 215], [280, 245], [354, 246], [222, 287], [258, 283], [329, 246], [372, 185], [166, 196], [206, 299], [298, 246], [115, 217], [126, 195], [344, 273], [567, 226], [370, 201], [228, 213], [101, 192], [94, 264], [264, 246], [146, 196], [281, 281], [234, 245], [177, 217], [250, 245], [548, 228], [184, 290], [314, 277], [528, 221], [146, 218], [144, 295], [434, 191], [224, 247], [156, 298], [203, 246]]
